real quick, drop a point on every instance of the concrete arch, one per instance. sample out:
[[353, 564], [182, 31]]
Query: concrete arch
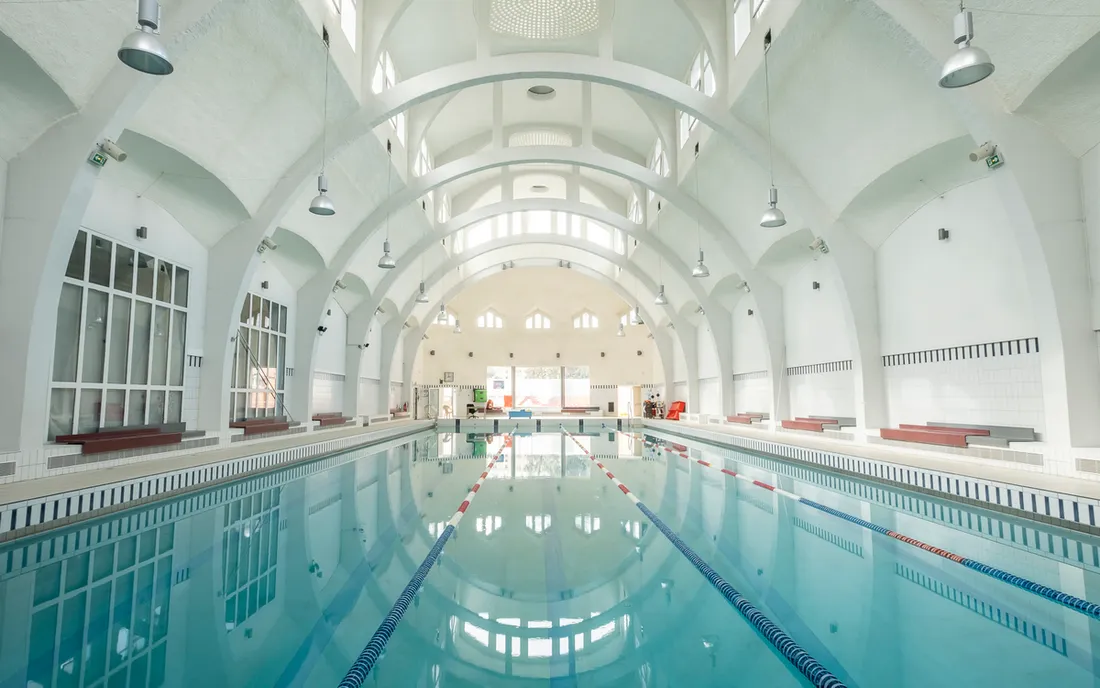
[[391, 334], [49, 187], [1041, 192], [718, 317]]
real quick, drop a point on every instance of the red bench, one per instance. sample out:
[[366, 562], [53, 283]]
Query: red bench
[[747, 420], [811, 424], [327, 419], [947, 439], [940, 428], [123, 438], [258, 426]]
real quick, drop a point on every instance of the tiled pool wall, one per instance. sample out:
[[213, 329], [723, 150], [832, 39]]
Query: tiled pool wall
[[26, 517]]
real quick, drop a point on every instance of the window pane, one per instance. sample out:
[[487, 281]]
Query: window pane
[[179, 340], [183, 283], [67, 334], [99, 266], [113, 412], [164, 281], [160, 346], [62, 403], [245, 308], [90, 402], [175, 407], [239, 406], [145, 267], [282, 320], [242, 358], [120, 340], [254, 314], [143, 326], [135, 410], [124, 269], [281, 369], [156, 407], [75, 268], [95, 336]]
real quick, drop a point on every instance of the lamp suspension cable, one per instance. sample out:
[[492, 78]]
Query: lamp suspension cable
[[322, 205], [386, 262], [700, 270], [773, 216]]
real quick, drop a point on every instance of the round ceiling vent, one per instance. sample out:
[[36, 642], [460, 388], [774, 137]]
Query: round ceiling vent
[[541, 92], [540, 188], [545, 20]]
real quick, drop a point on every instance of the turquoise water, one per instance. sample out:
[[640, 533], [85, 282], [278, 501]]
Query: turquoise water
[[554, 578]]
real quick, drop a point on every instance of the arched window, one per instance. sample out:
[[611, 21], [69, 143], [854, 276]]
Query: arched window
[[444, 212], [385, 78], [658, 162], [490, 320], [634, 210], [586, 321], [347, 12], [701, 78], [423, 163], [537, 321]]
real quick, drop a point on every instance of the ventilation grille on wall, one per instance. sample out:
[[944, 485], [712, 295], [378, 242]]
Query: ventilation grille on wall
[[421, 385], [545, 19], [812, 369], [603, 386], [331, 377], [540, 137], [194, 361], [1009, 347], [754, 375]]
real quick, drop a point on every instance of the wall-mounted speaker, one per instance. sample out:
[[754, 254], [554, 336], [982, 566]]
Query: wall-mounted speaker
[[557, 355], [750, 311], [328, 312], [142, 232], [511, 355], [264, 284], [432, 352], [943, 234], [639, 352], [603, 354], [471, 354], [817, 286]]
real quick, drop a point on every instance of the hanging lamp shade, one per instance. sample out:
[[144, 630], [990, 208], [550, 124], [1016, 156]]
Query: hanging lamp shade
[[458, 326], [968, 65], [386, 262], [422, 296], [700, 269], [321, 203], [661, 299], [621, 332], [773, 216], [142, 49]]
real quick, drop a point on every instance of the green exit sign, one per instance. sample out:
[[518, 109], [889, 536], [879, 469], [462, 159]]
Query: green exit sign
[[994, 161], [98, 159]]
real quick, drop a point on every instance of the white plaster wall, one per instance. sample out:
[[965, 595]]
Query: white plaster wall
[[601, 397], [3, 197], [1090, 198], [749, 352], [710, 396], [368, 397], [822, 394], [814, 322], [752, 395], [330, 361], [706, 352], [116, 213], [966, 290], [680, 393]]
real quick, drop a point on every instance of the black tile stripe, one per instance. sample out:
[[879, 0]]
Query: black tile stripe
[[1009, 347], [815, 368]]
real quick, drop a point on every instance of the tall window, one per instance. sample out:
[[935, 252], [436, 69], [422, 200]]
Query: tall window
[[119, 345], [423, 163], [103, 614], [259, 360], [634, 209], [250, 553], [346, 9], [742, 24], [444, 212], [538, 321], [490, 320], [701, 78], [385, 78], [586, 321], [659, 164]]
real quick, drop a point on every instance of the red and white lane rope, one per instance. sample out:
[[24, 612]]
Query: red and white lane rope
[[377, 645], [1084, 606], [801, 660]]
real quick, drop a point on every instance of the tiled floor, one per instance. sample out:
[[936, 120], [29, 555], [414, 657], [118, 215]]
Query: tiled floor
[[912, 457], [32, 489]]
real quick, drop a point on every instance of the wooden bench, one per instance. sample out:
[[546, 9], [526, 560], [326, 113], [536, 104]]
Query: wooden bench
[[841, 421], [745, 420], [118, 439], [946, 428], [329, 419], [259, 426], [807, 424], [947, 439]]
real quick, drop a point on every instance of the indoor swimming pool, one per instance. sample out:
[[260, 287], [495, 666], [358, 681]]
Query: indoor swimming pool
[[553, 577]]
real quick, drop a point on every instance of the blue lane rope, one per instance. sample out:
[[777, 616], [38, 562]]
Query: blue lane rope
[[809, 667], [377, 645]]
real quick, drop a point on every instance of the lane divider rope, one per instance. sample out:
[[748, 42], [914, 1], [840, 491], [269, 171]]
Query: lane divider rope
[[1076, 603], [801, 660], [377, 645]]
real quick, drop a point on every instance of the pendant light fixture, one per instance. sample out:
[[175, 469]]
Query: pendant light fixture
[[773, 216], [621, 332], [700, 270], [386, 262], [321, 203], [442, 317], [458, 327], [142, 50], [422, 296], [968, 65], [661, 299]]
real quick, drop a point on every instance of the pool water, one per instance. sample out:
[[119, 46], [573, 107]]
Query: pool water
[[553, 578]]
